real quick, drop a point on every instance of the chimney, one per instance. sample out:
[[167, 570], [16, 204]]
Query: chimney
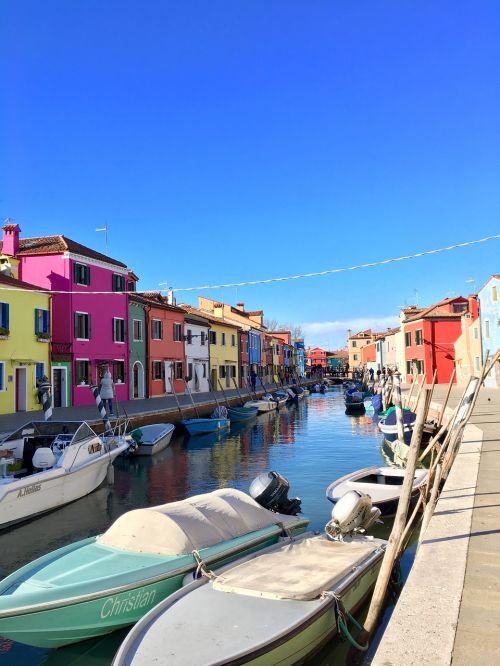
[[473, 307], [10, 239], [241, 306]]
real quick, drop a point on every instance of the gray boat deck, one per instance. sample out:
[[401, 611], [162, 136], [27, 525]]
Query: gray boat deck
[[449, 610]]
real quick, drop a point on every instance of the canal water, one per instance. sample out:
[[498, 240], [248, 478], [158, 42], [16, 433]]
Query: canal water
[[311, 444]]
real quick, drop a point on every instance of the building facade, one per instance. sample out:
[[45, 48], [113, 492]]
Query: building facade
[[354, 345], [197, 350], [138, 347], [468, 345], [489, 307]]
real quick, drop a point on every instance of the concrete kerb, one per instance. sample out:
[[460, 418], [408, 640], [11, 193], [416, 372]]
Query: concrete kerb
[[423, 625]]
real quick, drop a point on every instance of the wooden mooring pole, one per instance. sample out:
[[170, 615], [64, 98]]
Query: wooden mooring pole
[[396, 378], [398, 528]]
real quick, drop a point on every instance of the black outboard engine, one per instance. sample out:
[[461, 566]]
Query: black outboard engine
[[270, 490]]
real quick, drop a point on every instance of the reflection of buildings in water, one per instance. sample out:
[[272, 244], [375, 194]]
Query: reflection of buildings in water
[[228, 463], [168, 480], [363, 425]]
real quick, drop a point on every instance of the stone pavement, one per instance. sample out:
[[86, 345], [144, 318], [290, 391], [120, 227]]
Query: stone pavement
[[449, 609]]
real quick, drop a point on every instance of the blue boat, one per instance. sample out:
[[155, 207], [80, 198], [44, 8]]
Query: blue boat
[[204, 426], [242, 413]]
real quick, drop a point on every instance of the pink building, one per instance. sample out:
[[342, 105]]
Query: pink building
[[89, 331]]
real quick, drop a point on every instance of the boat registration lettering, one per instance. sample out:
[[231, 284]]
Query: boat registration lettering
[[95, 447], [29, 490], [124, 604]]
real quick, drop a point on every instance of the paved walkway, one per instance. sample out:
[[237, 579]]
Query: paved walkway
[[449, 609]]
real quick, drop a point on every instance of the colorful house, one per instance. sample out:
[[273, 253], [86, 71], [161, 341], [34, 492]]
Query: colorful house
[[299, 357], [89, 329], [138, 346], [489, 307], [224, 351], [354, 345], [468, 344], [25, 330], [165, 345], [316, 356], [386, 349], [369, 355], [197, 349], [430, 335]]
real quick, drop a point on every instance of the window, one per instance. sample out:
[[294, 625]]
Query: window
[[408, 368], [42, 321], [204, 366], [233, 371], [82, 372], [177, 332], [222, 371], [157, 370], [233, 341], [39, 371], [476, 333], [131, 286], [418, 337], [419, 365], [118, 329], [4, 318], [354, 343], [82, 326], [190, 370], [189, 337], [119, 372], [118, 282], [494, 295], [408, 339], [459, 307], [2, 376], [202, 338], [213, 338], [137, 325], [486, 328], [477, 363], [157, 329], [81, 274], [355, 357], [178, 370], [223, 339]]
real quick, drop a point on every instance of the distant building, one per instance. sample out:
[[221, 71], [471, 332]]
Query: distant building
[[386, 350], [354, 345], [197, 349], [468, 344], [489, 308]]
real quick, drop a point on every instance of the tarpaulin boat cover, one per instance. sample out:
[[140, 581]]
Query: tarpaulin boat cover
[[408, 416], [298, 570], [198, 522]]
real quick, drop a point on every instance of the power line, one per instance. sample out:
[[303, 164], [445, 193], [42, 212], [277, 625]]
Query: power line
[[268, 280]]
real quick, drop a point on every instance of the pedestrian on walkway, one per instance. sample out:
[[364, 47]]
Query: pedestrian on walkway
[[107, 392], [253, 379]]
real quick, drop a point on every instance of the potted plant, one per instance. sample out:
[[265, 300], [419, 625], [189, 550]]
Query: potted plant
[[43, 337], [4, 333]]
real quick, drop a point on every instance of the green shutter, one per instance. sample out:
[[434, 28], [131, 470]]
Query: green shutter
[[89, 320], [75, 272], [75, 324], [87, 275], [37, 328]]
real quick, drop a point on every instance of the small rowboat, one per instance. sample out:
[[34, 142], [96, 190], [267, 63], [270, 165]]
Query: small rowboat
[[202, 426], [263, 405], [388, 425], [241, 413], [382, 484], [152, 438]]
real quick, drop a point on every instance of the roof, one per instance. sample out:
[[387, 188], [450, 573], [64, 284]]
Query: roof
[[192, 315], [39, 245], [154, 299], [362, 334], [210, 317], [14, 282], [492, 277], [438, 310]]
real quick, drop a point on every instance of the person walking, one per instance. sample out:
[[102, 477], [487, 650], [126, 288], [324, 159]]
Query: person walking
[[107, 392], [253, 379]]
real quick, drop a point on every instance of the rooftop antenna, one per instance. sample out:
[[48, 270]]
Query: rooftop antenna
[[105, 229], [417, 297]]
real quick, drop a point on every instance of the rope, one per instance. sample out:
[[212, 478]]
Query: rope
[[201, 568], [343, 616]]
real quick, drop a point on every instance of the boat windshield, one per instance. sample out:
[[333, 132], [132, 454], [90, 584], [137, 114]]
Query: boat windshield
[[83, 432]]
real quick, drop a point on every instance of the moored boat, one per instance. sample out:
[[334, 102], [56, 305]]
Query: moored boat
[[61, 461], [100, 584], [388, 425], [152, 438], [265, 404], [241, 413], [285, 601], [382, 484]]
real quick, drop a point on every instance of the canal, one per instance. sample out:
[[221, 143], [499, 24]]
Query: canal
[[311, 444]]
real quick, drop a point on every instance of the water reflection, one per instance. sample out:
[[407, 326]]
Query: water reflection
[[311, 443]]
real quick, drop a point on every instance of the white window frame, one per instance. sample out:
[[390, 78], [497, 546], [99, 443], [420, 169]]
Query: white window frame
[[177, 331], [487, 329], [153, 322], [87, 314], [119, 342], [141, 332], [77, 382], [160, 378]]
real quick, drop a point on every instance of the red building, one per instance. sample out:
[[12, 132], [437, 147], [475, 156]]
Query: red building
[[369, 354], [316, 356], [244, 358], [165, 350], [429, 337]]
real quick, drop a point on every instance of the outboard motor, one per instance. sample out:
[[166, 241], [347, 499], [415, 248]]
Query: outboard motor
[[270, 490], [352, 514]]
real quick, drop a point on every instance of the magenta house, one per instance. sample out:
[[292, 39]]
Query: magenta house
[[89, 331]]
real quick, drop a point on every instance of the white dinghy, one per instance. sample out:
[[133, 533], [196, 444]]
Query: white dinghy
[[60, 462], [276, 607]]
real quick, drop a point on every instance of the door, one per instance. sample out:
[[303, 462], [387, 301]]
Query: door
[[59, 387], [21, 389], [168, 376], [228, 376], [138, 379]]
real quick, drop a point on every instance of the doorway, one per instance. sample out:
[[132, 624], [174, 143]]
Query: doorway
[[138, 379], [59, 391], [21, 389], [168, 376]]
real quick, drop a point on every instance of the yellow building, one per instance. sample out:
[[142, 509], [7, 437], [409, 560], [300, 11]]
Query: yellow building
[[355, 344], [468, 349], [24, 344], [224, 349]]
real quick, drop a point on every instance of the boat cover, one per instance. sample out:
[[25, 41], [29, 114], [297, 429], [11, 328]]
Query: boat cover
[[299, 570], [409, 417], [197, 522]]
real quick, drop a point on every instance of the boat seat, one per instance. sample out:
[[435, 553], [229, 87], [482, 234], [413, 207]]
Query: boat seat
[[298, 570], [197, 522]]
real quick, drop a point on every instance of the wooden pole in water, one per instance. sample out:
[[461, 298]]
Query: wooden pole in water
[[192, 400], [399, 409], [399, 521], [441, 413], [177, 400], [410, 392], [238, 390]]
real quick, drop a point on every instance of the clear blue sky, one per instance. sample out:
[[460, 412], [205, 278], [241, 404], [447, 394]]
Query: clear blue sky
[[225, 141]]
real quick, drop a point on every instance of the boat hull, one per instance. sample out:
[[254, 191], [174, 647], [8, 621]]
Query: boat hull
[[205, 426], [242, 413], [262, 405]]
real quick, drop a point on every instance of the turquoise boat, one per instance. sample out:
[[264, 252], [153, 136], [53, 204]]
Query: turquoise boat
[[242, 413], [205, 426], [101, 584]]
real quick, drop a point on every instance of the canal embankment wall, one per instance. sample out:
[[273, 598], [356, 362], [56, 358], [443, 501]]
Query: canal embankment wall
[[449, 609]]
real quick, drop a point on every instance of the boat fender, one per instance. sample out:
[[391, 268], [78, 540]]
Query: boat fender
[[110, 474]]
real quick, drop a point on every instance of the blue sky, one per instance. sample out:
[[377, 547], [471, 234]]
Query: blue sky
[[231, 141]]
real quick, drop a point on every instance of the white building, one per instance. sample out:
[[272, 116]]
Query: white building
[[197, 349]]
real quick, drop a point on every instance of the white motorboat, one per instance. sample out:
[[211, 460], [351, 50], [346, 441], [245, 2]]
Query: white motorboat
[[382, 484], [152, 438], [265, 404], [61, 462], [274, 607]]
